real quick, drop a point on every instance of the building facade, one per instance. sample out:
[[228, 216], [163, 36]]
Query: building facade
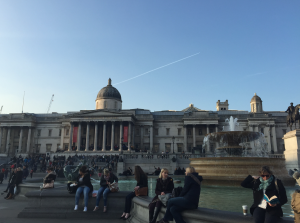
[[109, 128]]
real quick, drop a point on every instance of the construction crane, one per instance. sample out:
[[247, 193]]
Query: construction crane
[[50, 103], [1, 109]]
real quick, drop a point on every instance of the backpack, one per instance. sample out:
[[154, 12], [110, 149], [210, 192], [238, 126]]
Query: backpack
[[176, 191]]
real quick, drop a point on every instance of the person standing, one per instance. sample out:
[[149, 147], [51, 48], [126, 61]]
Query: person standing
[[187, 200], [164, 185], [25, 172], [84, 186], [266, 183], [142, 181], [107, 178]]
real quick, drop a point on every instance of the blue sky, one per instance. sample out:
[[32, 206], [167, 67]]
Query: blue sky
[[70, 48]]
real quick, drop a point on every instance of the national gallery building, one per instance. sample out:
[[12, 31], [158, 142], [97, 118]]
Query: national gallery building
[[111, 129]]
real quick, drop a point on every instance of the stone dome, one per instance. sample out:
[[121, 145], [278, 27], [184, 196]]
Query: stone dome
[[255, 99], [109, 92]]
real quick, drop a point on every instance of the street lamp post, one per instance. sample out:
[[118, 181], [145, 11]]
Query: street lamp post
[[173, 139], [122, 145], [8, 149]]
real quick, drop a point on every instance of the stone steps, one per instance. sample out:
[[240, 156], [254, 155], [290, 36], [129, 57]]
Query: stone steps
[[68, 213]]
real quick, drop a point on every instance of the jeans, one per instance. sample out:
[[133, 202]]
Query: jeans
[[85, 191], [104, 191], [128, 202], [175, 206], [261, 216]]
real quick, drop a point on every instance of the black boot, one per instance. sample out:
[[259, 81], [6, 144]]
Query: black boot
[[156, 212], [150, 215]]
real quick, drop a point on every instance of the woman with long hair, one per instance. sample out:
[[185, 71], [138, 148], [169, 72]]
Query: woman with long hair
[[142, 181], [107, 178], [84, 186], [265, 184], [187, 200], [164, 185]]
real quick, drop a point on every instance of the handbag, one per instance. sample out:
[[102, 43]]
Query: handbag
[[114, 187], [141, 191], [48, 185], [164, 198]]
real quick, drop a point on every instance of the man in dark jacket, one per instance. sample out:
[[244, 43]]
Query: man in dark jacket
[[188, 198]]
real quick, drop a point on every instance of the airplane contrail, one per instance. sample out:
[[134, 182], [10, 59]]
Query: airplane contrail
[[158, 68]]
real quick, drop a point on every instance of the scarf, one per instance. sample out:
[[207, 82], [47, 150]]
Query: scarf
[[265, 183]]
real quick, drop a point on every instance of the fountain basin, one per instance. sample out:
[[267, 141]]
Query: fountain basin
[[231, 171]]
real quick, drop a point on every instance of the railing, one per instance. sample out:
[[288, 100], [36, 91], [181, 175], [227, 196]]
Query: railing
[[162, 156], [282, 156]]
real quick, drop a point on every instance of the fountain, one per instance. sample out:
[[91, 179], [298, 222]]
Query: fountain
[[236, 154]]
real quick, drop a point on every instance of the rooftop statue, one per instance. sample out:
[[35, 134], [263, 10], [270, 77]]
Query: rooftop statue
[[293, 115]]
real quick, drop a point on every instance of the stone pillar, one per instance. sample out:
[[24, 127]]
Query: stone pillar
[[104, 136], [87, 137], [79, 137], [121, 136], [251, 129], [20, 140], [142, 136], [216, 130], [208, 150], [185, 138], [112, 136], [133, 135], [1, 133], [8, 139], [292, 149], [62, 137], [274, 140], [96, 136], [28, 140], [129, 135], [151, 138], [71, 136], [267, 133], [194, 135]]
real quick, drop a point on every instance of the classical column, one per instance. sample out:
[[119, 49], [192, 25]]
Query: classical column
[[185, 138], [28, 140], [71, 136], [194, 136], [207, 129], [121, 136], [87, 137], [104, 137], [62, 135], [142, 137], [1, 133], [133, 134], [79, 137], [112, 136], [96, 136], [20, 140], [8, 138], [151, 138], [129, 135], [251, 129], [274, 139], [268, 134]]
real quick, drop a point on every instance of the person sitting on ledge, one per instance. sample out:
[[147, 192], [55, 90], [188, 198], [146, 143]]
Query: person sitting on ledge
[[187, 200], [84, 185], [107, 178], [262, 210], [142, 181], [164, 185], [176, 172], [50, 177]]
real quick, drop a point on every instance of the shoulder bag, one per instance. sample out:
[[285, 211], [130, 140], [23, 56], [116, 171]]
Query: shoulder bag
[[48, 185], [114, 187], [141, 191]]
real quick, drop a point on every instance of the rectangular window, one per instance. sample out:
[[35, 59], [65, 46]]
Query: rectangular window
[[39, 132], [48, 147], [262, 130], [200, 132], [50, 132], [168, 147], [146, 131], [156, 148], [84, 131], [168, 132], [156, 132], [66, 147], [179, 147], [189, 132], [67, 132], [137, 131], [179, 132], [59, 134]]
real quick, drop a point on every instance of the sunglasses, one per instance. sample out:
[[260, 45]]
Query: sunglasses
[[264, 175]]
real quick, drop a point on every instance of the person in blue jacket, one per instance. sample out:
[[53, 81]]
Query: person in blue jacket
[[187, 200]]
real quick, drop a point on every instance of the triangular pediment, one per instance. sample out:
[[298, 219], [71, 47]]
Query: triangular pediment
[[99, 113]]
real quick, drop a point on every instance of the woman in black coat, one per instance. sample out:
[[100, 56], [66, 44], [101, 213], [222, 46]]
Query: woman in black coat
[[164, 185], [84, 186], [14, 182], [269, 185], [142, 181], [51, 176], [187, 200]]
